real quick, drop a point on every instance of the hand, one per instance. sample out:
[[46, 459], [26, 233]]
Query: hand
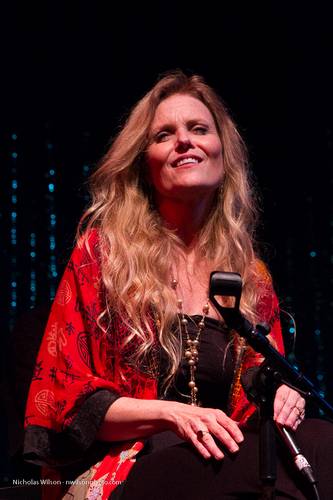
[[289, 407], [201, 425]]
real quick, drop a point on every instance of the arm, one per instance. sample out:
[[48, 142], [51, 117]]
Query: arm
[[268, 311], [288, 404], [73, 383], [130, 418]]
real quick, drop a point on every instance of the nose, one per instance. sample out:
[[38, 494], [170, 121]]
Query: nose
[[183, 140]]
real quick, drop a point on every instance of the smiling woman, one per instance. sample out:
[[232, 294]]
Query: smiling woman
[[136, 392], [184, 161], [184, 157]]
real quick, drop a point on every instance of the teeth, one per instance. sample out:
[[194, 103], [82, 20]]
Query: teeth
[[187, 160]]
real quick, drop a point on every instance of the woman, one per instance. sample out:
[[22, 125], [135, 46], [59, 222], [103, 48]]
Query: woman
[[132, 337]]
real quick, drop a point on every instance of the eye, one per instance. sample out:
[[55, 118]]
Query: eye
[[200, 129], [162, 135]]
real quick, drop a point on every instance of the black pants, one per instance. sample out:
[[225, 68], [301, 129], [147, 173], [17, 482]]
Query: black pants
[[179, 473]]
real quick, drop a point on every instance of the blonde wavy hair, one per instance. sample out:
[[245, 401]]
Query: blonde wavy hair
[[137, 249]]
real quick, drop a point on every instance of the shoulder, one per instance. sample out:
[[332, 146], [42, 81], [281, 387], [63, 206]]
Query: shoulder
[[268, 307], [88, 240], [267, 298], [262, 272], [88, 244], [86, 252]]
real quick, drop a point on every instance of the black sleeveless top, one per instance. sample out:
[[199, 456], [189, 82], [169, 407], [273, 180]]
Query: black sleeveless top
[[213, 376], [214, 368]]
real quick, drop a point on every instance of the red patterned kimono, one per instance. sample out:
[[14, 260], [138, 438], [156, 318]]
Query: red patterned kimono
[[79, 369]]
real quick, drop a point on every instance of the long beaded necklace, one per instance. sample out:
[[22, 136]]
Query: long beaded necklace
[[191, 345]]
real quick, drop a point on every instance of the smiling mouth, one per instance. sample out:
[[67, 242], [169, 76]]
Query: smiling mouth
[[186, 161]]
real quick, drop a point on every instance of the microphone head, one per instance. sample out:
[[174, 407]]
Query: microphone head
[[227, 285]]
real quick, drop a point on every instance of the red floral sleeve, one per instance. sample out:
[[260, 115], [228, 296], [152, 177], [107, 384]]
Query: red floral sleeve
[[79, 372], [75, 377], [72, 361]]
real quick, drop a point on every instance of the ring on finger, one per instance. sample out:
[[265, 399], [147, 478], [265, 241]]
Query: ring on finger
[[301, 413], [201, 433]]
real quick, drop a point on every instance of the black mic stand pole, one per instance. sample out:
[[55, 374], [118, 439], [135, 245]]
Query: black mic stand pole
[[260, 388], [267, 444]]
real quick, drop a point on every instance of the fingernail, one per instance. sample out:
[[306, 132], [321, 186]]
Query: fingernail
[[234, 448]]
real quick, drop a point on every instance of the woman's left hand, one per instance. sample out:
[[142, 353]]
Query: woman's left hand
[[289, 407]]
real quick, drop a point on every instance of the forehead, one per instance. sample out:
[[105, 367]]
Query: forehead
[[181, 107]]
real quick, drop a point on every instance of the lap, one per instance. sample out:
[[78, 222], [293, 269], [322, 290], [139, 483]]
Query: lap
[[179, 472]]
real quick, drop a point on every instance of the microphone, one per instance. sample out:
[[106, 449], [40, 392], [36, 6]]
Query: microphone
[[253, 382], [299, 460]]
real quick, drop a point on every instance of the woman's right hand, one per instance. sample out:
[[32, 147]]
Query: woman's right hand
[[130, 418], [202, 427]]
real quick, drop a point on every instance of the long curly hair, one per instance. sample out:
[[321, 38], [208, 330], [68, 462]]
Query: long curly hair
[[137, 248]]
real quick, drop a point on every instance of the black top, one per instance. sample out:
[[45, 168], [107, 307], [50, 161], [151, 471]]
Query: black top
[[213, 376], [215, 366]]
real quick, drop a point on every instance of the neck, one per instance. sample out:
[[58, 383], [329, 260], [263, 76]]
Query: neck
[[185, 217]]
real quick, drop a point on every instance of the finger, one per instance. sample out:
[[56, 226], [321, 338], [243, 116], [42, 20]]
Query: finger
[[282, 398], [300, 404], [225, 438], [287, 413], [290, 413], [296, 415], [278, 404], [293, 417], [292, 408], [206, 445], [231, 427], [297, 423], [284, 404], [287, 394]]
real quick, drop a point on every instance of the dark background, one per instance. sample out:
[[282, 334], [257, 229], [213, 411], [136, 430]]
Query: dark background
[[70, 73]]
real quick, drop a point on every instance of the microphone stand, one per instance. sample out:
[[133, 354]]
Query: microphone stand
[[260, 388], [261, 392], [229, 284], [278, 368]]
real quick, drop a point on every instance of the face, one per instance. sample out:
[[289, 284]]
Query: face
[[184, 156]]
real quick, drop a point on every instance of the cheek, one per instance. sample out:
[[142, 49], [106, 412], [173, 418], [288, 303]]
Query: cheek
[[217, 156], [216, 149]]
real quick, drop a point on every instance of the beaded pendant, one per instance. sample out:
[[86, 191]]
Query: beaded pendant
[[191, 353]]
